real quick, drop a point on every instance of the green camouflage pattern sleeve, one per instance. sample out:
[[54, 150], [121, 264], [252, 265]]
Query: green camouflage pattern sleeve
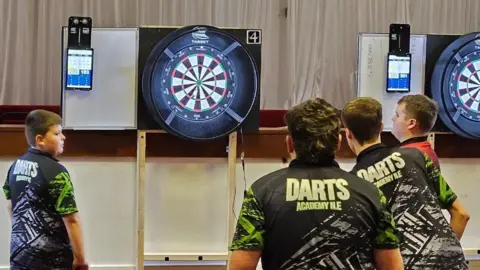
[[386, 237], [61, 190], [445, 194], [6, 189], [250, 226]]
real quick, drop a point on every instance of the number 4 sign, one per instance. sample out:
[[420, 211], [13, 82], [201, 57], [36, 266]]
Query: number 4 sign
[[254, 36]]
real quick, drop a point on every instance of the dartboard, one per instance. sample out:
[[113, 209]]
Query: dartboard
[[200, 83], [456, 86]]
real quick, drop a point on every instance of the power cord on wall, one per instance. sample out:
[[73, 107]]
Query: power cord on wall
[[242, 159]]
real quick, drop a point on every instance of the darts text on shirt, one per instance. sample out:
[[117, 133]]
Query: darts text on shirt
[[25, 170], [384, 171], [315, 194]]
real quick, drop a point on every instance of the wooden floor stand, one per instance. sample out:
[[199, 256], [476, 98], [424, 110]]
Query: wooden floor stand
[[141, 178]]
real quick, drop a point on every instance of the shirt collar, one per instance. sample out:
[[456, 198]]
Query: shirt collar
[[367, 151], [42, 153], [414, 140], [330, 162]]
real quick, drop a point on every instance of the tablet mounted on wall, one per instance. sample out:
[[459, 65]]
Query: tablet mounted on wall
[[79, 69], [399, 69]]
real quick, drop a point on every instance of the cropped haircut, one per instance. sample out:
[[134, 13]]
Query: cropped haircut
[[314, 126], [421, 108], [363, 117], [38, 122]]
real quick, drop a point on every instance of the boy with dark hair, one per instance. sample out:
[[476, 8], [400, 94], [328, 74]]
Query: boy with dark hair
[[46, 231], [414, 117], [415, 189], [313, 215]]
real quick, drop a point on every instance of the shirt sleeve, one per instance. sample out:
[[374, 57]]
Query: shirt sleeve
[[250, 228], [6, 189], [62, 193], [6, 186], [445, 194], [387, 235]]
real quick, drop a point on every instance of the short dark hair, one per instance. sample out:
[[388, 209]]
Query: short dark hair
[[38, 122], [421, 108], [363, 117], [314, 126]]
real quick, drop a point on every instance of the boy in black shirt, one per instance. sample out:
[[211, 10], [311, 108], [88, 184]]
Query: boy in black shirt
[[415, 189], [313, 215], [45, 223]]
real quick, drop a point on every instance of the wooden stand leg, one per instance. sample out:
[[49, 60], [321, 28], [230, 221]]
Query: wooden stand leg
[[141, 171], [232, 172]]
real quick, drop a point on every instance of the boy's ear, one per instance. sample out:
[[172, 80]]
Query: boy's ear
[[348, 134], [411, 123], [339, 146], [289, 142], [39, 140]]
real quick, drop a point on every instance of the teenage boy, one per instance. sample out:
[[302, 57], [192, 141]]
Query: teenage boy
[[313, 215], [46, 230], [414, 117], [415, 189]]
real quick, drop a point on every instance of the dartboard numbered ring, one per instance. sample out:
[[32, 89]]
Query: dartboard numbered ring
[[456, 86], [200, 83]]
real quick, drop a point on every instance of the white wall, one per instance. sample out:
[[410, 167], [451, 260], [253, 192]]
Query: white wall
[[186, 204]]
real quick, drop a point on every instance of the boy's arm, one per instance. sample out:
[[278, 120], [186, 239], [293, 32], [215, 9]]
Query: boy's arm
[[75, 234], [448, 199], [386, 247], [9, 209], [6, 192], [61, 190], [247, 242]]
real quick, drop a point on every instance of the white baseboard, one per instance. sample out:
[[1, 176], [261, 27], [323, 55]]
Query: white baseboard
[[100, 267], [184, 263]]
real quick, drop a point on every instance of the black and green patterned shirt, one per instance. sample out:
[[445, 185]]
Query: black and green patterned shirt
[[41, 193], [314, 217], [416, 193]]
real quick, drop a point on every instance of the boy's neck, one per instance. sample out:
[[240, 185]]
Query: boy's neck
[[41, 150], [359, 148], [411, 136]]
